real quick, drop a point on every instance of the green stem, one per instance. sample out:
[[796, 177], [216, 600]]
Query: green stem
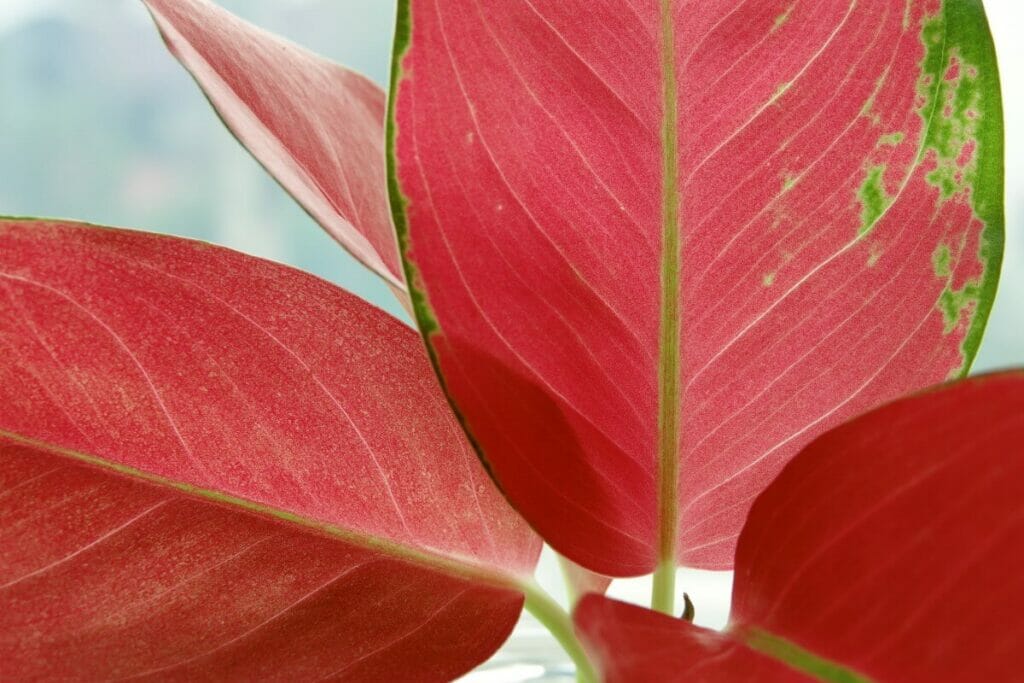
[[557, 621], [663, 591]]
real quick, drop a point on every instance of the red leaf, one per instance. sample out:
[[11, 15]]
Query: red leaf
[[890, 549], [213, 464], [659, 250], [317, 127]]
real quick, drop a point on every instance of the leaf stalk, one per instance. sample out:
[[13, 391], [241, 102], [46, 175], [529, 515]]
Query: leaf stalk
[[558, 622]]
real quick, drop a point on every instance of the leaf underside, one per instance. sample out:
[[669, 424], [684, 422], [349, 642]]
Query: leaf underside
[[317, 127], [211, 463], [831, 174]]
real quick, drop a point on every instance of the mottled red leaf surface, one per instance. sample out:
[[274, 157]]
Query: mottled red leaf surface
[[317, 127], [889, 549], [214, 466], [658, 247]]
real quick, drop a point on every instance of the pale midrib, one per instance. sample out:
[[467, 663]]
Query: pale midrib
[[669, 341], [798, 658], [464, 569]]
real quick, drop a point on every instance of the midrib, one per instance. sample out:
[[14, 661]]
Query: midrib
[[669, 341], [466, 569]]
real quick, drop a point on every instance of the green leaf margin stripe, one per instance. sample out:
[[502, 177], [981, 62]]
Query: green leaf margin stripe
[[967, 30]]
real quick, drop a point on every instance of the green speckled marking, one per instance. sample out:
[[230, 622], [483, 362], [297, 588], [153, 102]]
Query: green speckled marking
[[874, 253], [954, 302], [941, 259], [867, 108], [954, 127], [873, 198], [781, 20], [768, 279], [958, 108], [891, 139]]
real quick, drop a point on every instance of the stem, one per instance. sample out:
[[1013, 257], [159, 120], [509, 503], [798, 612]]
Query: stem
[[557, 621], [663, 591]]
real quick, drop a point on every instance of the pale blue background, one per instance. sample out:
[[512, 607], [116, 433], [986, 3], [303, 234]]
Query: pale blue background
[[99, 123]]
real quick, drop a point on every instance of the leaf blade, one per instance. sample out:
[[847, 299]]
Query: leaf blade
[[798, 248], [878, 587], [220, 380], [317, 127]]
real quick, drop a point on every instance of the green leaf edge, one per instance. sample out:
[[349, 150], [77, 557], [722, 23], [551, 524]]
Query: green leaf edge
[[427, 323], [537, 602], [967, 25]]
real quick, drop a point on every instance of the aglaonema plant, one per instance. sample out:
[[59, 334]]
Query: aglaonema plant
[[659, 253]]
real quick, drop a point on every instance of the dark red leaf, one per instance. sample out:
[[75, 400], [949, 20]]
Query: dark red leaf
[[889, 550]]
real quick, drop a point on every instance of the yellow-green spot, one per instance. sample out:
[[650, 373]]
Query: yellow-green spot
[[781, 20], [768, 279], [781, 90], [874, 253], [865, 109], [941, 259], [788, 182], [869, 103], [891, 139], [873, 199], [953, 302]]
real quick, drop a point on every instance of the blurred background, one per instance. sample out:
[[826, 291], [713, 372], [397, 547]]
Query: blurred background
[[99, 123]]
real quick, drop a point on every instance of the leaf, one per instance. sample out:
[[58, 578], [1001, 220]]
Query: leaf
[[211, 464], [656, 248], [317, 127], [888, 550]]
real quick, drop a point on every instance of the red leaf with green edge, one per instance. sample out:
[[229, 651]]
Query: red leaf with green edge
[[656, 248], [889, 549], [214, 464], [317, 127]]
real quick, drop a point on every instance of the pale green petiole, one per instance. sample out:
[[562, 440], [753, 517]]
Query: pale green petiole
[[559, 624]]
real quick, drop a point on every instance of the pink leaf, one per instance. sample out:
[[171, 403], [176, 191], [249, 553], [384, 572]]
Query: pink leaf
[[888, 550], [317, 127], [658, 247], [213, 464]]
